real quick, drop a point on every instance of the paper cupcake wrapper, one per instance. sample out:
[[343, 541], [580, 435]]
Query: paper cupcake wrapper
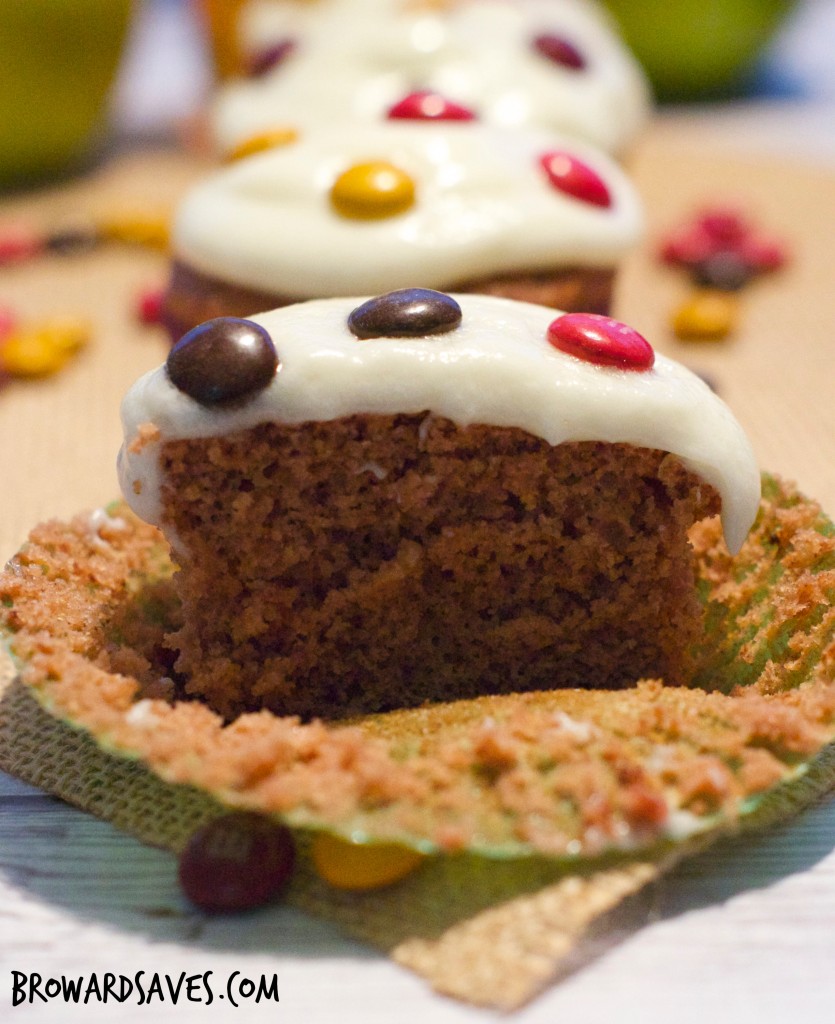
[[518, 887]]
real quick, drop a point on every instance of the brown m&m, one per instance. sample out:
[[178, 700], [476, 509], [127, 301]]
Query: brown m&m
[[237, 862], [222, 361], [559, 50], [406, 313]]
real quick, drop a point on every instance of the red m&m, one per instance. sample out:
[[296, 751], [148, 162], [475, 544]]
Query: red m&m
[[425, 105], [570, 175], [601, 340]]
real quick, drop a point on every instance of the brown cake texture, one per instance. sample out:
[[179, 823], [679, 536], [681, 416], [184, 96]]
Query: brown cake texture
[[192, 297], [371, 562]]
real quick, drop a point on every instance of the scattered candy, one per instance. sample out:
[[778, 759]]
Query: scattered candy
[[222, 360], [572, 176], [262, 141], [149, 305], [687, 247], [67, 334], [236, 862], [361, 866], [8, 322], [721, 232], [18, 243], [725, 270], [709, 315], [725, 225], [722, 253], [31, 354], [407, 313], [371, 191], [262, 63], [42, 349], [21, 242], [136, 226], [559, 51], [601, 340], [71, 241], [429, 106], [762, 254]]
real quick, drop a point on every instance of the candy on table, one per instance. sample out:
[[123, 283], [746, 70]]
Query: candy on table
[[21, 241], [722, 232], [149, 304], [42, 348], [238, 861], [722, 252], [135, 225], [361, 866], [72, 241], [709, 314], [8, 322]]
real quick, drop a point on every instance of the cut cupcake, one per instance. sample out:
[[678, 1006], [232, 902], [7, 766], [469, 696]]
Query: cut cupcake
[[363, 209], [422, 497]]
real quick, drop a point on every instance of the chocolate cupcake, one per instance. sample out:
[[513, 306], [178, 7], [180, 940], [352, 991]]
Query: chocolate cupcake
[[367, 208]]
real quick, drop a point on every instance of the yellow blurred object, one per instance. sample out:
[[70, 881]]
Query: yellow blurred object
[[135, 226], [220, 18], [360, 866], [67, 334], [709, 315], [31, 354], [372, 191], [270, 139]]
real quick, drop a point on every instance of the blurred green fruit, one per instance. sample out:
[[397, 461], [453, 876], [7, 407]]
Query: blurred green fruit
[[58, 59], [697, 49]]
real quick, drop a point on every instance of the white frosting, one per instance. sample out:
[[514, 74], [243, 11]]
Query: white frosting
[[483, 205], [496, 368], [355, 58]]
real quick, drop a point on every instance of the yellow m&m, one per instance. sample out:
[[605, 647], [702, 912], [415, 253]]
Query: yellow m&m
[[262, 141], [45, 348], [372, 191], [359, 866]]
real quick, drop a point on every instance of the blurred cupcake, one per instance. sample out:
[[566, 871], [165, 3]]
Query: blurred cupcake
[[366, 208], [518, 63]]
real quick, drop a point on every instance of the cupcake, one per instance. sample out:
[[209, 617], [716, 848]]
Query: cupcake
[[422, 497], [558, 66], [366, 208]]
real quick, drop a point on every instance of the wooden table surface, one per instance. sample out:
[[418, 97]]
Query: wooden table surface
[[745, 933]]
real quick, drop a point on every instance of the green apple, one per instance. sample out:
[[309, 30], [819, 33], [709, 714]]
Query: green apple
[[58, 59], [694, 49]]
